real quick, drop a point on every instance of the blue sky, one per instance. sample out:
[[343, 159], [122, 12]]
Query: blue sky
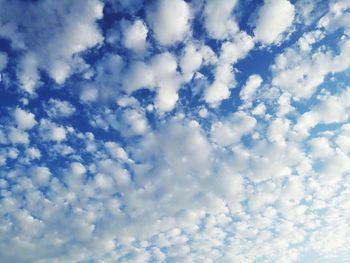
[[174, 131]]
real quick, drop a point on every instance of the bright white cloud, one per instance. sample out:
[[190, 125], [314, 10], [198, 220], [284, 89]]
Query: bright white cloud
[[274, 18], [170, 21], [190, 61], [135, 36], [59, 41], [231, 132], [219, 20], [57, 108], [24, 120], [18, 136], [50, 131], [249, 89]]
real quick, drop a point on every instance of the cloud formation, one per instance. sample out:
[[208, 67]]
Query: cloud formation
[[174, 131]]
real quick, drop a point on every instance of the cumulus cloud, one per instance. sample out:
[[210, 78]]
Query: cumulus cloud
[[167, 81], [170, 21], [231, 52], [249, 89], [24, 120], [274, 18], [190, 61], [135, 36], [57, 108], [50, 131], [18, 136], [220, 88], [219, 21], [68, 30], [231, 132]]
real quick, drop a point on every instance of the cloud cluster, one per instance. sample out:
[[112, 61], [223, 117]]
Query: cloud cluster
[[174, 131]]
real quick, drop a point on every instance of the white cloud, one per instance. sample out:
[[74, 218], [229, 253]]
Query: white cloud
[[25, 120], [231, 52], [135, 122], [277, 130], [139, 75], [50, 131], [116, 151], [3, 61], [89, 94], [230, 132], [33, 153], [28, 74], [301, 73], [220, 88], [167, 78], [59, 108], [170, 21], [274, 18], [238, 48], [41, 175], [218, 18], [343, 139], [18, 136], [68, 30], [190, 61], [249, 89], [135, 36]]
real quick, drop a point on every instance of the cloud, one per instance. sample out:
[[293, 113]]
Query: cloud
[[218, 18], [301, 73], [18, 136], [50, 131], [228, 133], [3, 61], [135, 36], [68, 30], [274, 18], [249, 89], [170, 21], [59, 109], [166, 134], [25, 120], [167, 79], [220, 88], [190, 61], [231, 52]]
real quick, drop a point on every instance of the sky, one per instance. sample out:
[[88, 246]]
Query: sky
[[174, 131]]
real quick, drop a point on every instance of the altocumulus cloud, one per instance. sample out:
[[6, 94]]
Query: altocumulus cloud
[[174, 131]]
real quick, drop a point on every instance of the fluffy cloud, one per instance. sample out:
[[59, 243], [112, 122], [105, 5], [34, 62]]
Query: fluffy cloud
[[135, 36], [68, 30], [190, 61], [18, 136], [50, 131], [24, 120], [218, 18], [57, 108], [231, 132], [231, 52], [301, 73], [220, 88], [249, 89], [170, 21], [274, 18]]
